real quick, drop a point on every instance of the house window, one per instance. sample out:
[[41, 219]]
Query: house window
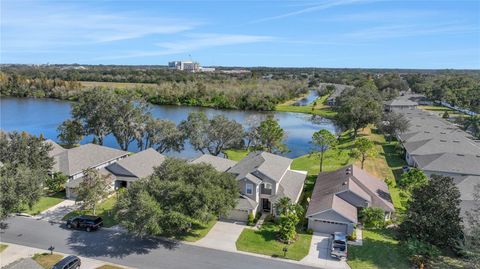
[[249, 188], [268, 186]]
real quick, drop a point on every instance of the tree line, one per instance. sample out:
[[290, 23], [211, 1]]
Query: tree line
[[128, 119], [208, 90]]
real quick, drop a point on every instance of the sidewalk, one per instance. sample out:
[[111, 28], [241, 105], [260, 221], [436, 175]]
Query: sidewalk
[[16, 252]]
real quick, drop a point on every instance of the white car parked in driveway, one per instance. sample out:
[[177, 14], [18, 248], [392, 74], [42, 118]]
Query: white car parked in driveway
[[338, 246]]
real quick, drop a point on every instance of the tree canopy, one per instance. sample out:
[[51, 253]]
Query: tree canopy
[[212, 135], [358, 107], [176, 196], [433, 214], [323, 140]]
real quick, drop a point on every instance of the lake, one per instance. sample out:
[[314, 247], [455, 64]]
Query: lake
[[42, 116]]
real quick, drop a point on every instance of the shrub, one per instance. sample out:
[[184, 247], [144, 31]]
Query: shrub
[[373, 217], [353, 236], [309, 231], [251, 220], [56, 182]]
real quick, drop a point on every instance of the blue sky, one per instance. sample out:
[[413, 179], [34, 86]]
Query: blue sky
[[323, 33]]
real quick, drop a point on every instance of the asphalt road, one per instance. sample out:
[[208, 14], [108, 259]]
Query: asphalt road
[[127, 250]]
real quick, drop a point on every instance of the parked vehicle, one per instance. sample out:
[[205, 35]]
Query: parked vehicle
[[69, 262], [338, 245], [87, 222]]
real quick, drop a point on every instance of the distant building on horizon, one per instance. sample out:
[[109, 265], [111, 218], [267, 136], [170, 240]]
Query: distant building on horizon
[[189, 66]]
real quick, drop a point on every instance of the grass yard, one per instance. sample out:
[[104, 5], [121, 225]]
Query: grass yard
[[236, 154], [379, 251], [104, 210], [263, 241], [320, 107], [439, 110], [386, 164], [3, 247], [198, 232], [45, 203], [46, 260]]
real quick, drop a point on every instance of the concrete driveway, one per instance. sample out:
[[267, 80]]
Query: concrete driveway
[[56, 212], [222, 236], [319, 254]]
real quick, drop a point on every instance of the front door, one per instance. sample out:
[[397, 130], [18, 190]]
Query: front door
[[266, 206]]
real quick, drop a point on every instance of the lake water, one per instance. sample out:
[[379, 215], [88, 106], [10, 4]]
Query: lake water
[[42, 116], [305, 101]]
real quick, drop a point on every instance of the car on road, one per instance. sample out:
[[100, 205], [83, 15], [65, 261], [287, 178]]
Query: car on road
[[85, 222], [69, 262], [338, 246]]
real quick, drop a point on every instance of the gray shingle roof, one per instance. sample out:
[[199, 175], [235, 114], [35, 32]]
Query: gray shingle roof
[[220, 164], [319, 204], [75, 160], [56, 148], [263, 163], [246, 203], [401, 103], [436, 145], [349, 178], [138, 165], [449, 163], [291, 185]]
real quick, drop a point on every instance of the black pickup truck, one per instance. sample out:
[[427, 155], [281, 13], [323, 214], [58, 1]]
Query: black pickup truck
[[85, 222]]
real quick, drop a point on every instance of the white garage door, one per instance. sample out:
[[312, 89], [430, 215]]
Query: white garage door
[[326, 226], [238, 215]]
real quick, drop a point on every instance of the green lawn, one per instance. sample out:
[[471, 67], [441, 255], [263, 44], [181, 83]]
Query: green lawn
[[3, 247], [104, 210], [46, 260], [320, 108], [236, 154], [198, 232], [45, 203], [379, 251], [263, 241], [439, 110]]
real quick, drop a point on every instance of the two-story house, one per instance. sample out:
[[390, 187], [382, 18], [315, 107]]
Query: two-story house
[[263, 178]]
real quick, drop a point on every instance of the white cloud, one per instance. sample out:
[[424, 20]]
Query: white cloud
[[194, 42], [27, 24], [325, 5], [408, 30]]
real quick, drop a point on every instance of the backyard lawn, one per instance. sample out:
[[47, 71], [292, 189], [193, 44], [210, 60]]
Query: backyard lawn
[[439, 110], [236, 154], [320, 107], [263, 241], [379, 251], [104, 210], [45, 203], [46, 260]]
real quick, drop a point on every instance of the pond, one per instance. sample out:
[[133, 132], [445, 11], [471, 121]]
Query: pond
[[305, 101], [42, 116]]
